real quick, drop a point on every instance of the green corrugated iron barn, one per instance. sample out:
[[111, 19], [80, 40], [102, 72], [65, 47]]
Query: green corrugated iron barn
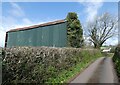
[[53, 34]]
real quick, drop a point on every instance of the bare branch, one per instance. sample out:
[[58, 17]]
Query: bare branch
[[102, 29]]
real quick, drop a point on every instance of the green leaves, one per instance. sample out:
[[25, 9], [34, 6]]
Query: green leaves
[[44, 64], [116, 59], [83, 59], [71, 16], [74, 30]]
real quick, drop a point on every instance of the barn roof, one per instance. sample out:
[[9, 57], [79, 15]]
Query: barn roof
[[39, 25]]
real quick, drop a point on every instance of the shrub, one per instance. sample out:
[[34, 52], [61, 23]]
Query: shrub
[[116, 59], [39, 64]]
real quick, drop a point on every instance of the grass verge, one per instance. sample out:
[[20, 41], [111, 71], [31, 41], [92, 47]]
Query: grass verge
[[66, 75]]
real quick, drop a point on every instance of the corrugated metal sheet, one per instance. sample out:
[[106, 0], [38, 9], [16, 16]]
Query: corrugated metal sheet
[[50, 35], [36, 26]]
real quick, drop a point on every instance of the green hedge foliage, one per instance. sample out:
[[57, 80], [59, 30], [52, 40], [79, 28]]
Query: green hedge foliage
[[116, 59], [40, 64]]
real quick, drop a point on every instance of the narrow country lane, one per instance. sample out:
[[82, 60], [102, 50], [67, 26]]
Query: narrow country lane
[[101, 71]]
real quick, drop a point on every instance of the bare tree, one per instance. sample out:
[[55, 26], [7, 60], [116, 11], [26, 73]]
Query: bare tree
[[101, 29]]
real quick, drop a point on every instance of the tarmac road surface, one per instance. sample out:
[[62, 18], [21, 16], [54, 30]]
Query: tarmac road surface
[[101, 71]]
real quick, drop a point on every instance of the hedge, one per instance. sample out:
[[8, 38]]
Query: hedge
[[116, 60], [1, 65], [40, 64]]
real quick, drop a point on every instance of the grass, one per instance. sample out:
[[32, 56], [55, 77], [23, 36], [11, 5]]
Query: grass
[[67, 75], [108, 54]]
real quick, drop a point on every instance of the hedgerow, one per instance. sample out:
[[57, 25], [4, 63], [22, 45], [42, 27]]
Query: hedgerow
[[116, 59], [42, 64]]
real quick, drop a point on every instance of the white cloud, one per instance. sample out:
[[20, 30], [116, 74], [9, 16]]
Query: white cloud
[[16, 11], [91, 8], [112, 41], [26, 21], [2, 38], [16, 18], [8, 22]]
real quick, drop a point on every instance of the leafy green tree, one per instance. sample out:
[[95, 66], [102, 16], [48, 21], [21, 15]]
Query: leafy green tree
[[74, 30]]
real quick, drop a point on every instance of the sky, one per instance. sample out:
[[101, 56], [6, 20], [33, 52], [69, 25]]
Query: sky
[[20, 14]]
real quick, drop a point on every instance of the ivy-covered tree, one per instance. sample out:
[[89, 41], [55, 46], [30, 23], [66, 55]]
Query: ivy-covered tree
[[74, 30]]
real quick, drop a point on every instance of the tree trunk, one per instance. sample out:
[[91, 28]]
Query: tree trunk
[[97, 46]]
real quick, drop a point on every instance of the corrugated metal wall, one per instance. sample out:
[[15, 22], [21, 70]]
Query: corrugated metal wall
[[54, 35]]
